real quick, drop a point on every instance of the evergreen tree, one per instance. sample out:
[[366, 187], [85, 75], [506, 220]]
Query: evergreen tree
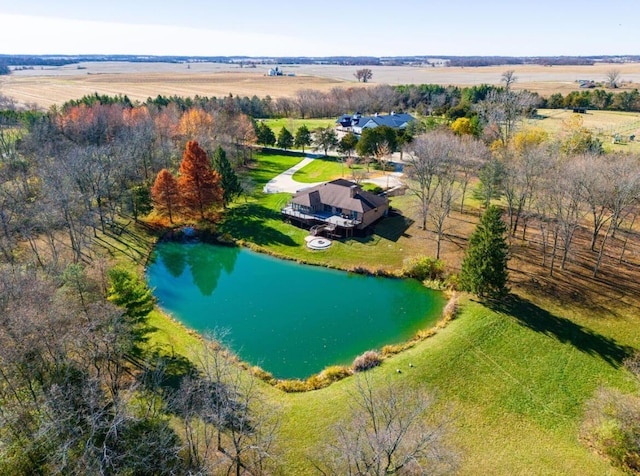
[[140, 201], [285, 138], [484, 267], [348, 144], [229, 181], [128, 292], [303, 137], [265, 135], [325, 138]]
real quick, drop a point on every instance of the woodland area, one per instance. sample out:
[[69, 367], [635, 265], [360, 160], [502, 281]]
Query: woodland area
[[81, 392]]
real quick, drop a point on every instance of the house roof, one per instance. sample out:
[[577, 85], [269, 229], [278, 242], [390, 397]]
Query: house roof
[[393, 120], [339, 193]]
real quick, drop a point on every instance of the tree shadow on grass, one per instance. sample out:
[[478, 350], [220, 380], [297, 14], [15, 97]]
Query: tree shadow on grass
[[248, 222], [165, 371], [564, 330], [393, 227]]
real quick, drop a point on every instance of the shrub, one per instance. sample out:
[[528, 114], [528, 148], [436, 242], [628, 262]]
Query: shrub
[[633, 364], [292, 386], [426, 333], [612, 426], [451, 309], [334, 373], [263, 375], [366, 361], [424, 268], [327, 377], [452, 282], [388, 350], [373, 188]]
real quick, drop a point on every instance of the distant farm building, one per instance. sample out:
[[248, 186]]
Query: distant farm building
[[356, 123], [278, 72]]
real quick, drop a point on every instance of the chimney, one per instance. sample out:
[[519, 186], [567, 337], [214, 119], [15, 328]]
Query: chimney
[[353, 191]]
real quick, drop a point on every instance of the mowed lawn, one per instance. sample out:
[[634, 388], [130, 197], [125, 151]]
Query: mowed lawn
[[511, 380], [513, 396], [326, 168], [293, 125]]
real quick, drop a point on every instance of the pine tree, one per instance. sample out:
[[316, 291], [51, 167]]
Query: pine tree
[[229, 181], [128, 292], [265, 134], [484, 267], [165, 194], [303, 137], [285, 139], [198, 183]]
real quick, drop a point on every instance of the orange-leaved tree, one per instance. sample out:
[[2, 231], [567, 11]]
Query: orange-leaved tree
[[198, 183], [165, 194]]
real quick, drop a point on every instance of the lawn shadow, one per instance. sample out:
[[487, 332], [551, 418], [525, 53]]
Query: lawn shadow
[[248, 222], [393, 227], [564, 330], [166, 371]]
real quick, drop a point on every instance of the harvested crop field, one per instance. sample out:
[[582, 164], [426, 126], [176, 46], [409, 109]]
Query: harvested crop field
[[54, 85], [45, 91]]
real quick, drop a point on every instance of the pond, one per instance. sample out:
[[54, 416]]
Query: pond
[[292, 320]]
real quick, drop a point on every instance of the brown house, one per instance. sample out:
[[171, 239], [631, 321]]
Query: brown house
[[339, 207]]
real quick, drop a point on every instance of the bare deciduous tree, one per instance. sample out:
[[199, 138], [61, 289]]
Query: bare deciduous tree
[[363, 74], [502, 111], [613, 78], [427, 160], [388, 434], [473, 156], [563, 208], [508, 78], [227, 424], [524, 169]]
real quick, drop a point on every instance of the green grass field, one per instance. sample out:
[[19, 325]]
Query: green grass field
[[514, 394], [325, 169], [292, 125], [513, 379]]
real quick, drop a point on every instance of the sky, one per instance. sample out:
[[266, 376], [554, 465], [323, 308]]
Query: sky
[[320, 27]]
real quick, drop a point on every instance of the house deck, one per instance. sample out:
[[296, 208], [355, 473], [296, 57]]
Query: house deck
[[347, 224]]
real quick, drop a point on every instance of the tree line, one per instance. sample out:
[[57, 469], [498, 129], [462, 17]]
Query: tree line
[[552, 188]]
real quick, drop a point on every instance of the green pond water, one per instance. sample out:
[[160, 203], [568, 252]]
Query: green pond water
[[291, 319]]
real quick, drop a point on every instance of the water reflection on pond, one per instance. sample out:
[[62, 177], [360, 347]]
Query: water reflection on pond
[[292, 320]]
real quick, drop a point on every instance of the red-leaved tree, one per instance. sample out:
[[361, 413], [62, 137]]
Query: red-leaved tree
[[199, 184], [165, 194]]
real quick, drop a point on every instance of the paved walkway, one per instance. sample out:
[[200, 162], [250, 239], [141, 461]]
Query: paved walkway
[[285, 183]]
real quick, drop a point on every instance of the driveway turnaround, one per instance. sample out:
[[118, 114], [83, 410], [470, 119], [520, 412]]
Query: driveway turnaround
[[285, 183]]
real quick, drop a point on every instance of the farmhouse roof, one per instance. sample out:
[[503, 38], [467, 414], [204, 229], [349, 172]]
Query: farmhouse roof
[[339, 193], [393, 120]]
